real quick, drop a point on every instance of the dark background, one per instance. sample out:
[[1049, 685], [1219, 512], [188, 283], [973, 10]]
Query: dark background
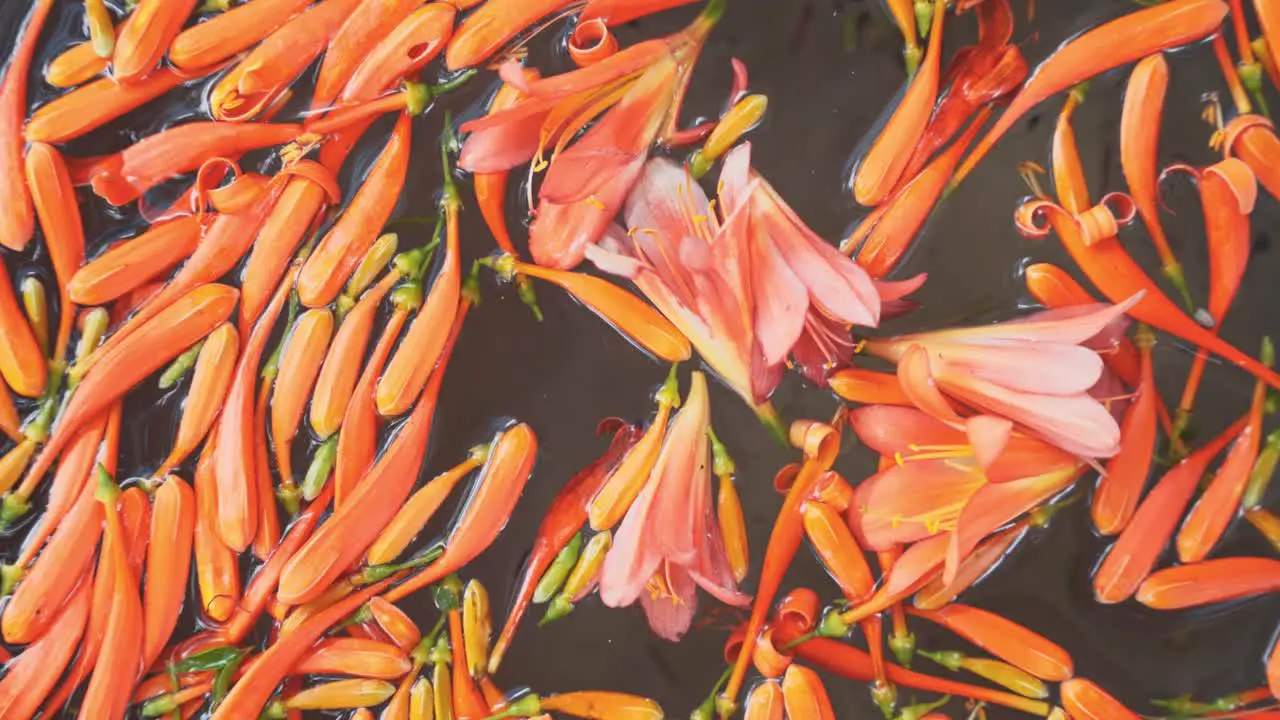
[[830, 68]]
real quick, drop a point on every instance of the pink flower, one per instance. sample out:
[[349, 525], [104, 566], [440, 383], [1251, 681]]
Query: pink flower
[[1034, 371], [669, 542], [748, 287], [959, 480], [634, 97]]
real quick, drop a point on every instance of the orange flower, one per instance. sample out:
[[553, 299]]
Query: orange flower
[[636, 95]]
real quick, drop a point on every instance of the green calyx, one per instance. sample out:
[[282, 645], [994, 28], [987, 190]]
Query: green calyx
[[10, 576], [447, 594], [903, 648], [527, 706], [504, 265], [106, 490], [669, 394], [439, 654], [832, 625], [12, 509], [721, 464], [885, 696], [471, 285], [407, 296], [291, 498]]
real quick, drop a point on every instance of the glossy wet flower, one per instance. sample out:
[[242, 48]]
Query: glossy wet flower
[[1034, 371], [634, 98], [669, 543], [749, 285], [960, 479]]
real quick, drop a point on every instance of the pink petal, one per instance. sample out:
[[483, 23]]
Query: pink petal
[[1047, 368], [626, 131], [1076, 423], [559, 236], [665, 200], [889, 429], [502, 147], [996, 504], [836, 284], [989, 435], [1069, 326], [712, 571], [633, 559], [780, 298], [910, 502], [613, 255], [671, 617], [916, 377], [684, 467], [917, 565], [765, 377], [736, 184]]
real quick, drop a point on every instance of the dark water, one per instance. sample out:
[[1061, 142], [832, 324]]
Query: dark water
[[564, 374]]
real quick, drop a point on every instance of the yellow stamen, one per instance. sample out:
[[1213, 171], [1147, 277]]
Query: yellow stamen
[[595, 202]]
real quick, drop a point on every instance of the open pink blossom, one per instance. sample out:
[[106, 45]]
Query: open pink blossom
[[748, 286], [958, 481], [1035, 372], [634, 98], [669, 542]]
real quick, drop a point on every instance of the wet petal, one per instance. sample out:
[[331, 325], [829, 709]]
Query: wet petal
[[504, 146], [916, 375], [989, 435], [911, 502], [683, 470], [996, 504], [1070, 326], [1049, 368], [671, 615], [559, 236], [666, 199], [633, 559], [890, 430], [1076, 423]]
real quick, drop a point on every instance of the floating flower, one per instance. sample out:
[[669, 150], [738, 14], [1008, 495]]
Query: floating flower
[[1035, 371], [962, 479], [635, 94], [749, 287], [669, 543]]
